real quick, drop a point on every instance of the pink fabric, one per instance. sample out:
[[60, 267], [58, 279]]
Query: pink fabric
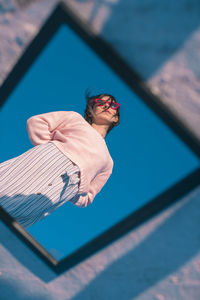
[[81, 143]]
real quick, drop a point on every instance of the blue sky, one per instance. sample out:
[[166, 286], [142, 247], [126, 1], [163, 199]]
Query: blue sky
[[148, 157]]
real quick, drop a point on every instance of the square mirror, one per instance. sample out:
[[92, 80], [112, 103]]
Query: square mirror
[[149, 157]]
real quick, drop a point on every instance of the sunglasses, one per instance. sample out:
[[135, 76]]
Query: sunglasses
[[100, 102]]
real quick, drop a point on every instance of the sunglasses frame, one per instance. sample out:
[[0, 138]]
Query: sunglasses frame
[[105, 101]]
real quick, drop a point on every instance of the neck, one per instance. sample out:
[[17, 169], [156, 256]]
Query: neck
[[102, 129]]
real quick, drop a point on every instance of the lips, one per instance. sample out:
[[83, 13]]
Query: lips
[[106, 111]]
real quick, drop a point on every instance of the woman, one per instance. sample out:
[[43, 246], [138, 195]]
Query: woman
[[70, 161]]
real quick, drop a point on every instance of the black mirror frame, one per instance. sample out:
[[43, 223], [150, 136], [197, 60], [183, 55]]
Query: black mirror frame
[[62, 14]]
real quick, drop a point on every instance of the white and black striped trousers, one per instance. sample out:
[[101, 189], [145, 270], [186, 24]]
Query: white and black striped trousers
[[37, 182]]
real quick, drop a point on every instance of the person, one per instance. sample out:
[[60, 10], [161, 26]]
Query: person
[[70, 161]]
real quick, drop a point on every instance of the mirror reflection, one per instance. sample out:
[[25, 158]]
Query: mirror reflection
[[74, 163]]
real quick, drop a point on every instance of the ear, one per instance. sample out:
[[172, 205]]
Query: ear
[[116, 119]]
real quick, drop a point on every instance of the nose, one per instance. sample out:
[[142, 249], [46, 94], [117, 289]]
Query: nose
[[107, 104]]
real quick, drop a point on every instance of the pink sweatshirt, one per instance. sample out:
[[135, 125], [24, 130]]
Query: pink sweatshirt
[[81, 143]]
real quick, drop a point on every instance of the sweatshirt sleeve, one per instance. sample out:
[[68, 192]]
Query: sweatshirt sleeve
[[41, 127], [83, 200]]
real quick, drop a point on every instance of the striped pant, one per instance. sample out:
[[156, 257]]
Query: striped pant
[[37, 182]]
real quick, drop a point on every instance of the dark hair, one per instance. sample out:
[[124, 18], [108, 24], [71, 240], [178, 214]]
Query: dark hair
[[90, 105]]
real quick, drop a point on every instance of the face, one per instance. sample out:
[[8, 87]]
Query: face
[[104, 113]]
